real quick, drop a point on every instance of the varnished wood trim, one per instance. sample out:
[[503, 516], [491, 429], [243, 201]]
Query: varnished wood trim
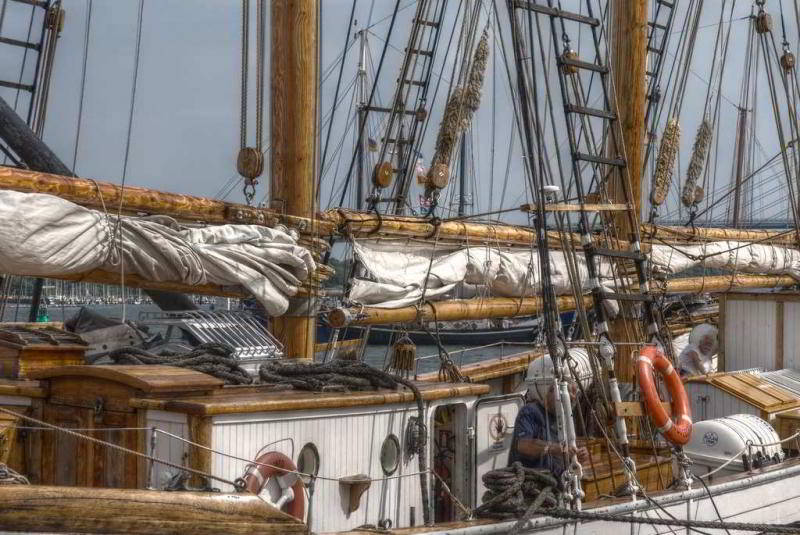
[[147, 378], [31, 508], [292, 401], [722, 304], [199, 433], [779, 335], [31, 389]]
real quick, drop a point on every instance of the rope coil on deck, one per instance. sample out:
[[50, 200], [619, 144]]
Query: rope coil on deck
[[213, 359], [511, 489]]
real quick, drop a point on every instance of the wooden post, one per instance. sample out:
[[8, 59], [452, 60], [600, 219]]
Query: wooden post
[[779, 335], [199, 458], [629, 63], [293, 72]]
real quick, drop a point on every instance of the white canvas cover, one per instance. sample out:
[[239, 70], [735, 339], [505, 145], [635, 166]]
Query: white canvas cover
[[398, 270], [45, 236], [740, 256]]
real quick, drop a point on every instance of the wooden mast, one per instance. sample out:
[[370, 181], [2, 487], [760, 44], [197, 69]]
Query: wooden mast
[[293, 84], [629, 64]]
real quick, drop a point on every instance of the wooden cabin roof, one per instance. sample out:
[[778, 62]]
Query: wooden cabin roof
[[752, 389], [149, 378], [492, 368], [258, 399]]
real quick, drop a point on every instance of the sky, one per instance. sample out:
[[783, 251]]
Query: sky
[[184, 125]]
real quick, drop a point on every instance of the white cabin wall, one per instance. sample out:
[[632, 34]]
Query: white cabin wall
[[791, 335], [719, 404], [167, 448], [750, 334], [349, 441]]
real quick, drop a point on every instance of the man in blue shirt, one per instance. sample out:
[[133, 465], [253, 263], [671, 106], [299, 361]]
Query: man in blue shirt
[[536, 442]]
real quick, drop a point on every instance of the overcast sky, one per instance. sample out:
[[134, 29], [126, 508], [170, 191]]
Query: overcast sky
[[185, 128]]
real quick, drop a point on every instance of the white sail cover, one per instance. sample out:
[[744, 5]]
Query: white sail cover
[[398, 270], [732, 255], [45, 236]]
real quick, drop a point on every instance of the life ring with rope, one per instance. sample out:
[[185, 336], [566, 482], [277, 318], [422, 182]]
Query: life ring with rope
[[292, 499], [677, 432]]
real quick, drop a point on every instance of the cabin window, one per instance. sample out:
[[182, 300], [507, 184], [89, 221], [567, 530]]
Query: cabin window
[[390, 455], [308, 461]]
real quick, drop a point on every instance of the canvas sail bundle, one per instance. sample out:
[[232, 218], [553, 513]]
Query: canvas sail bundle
[[731, 255], [399, 270], [46, 236], [400, 273]]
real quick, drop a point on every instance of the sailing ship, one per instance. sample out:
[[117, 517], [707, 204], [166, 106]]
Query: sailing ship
[[245, 429]]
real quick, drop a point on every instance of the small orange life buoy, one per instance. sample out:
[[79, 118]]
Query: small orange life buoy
[[679, 431], [276, 464]]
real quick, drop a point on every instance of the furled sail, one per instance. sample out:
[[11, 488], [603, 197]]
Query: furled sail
[[46, 236], [401, 273]]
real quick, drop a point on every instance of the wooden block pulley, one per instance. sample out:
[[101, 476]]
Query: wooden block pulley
[[438, 176], [382, 175], [763, 22], [787, 61], [250, 163], [570, 69]]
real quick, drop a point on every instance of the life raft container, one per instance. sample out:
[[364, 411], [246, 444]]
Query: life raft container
[[275, 464], [678, 431]]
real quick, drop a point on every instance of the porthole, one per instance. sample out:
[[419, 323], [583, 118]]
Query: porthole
[[308, 461], [390, 455]]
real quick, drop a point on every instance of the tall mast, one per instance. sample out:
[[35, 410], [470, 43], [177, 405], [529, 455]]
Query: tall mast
[[629, 63], [462, 176], [741, 149], [293, 84], [362, 116]]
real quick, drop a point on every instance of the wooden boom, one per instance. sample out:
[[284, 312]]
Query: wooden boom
[[686, 234], [369, 225], [136, 200], [503, 307]]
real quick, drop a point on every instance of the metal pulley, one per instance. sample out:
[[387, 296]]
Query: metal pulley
[[763, 22], [250, 163], [787, 61], [382, 175]]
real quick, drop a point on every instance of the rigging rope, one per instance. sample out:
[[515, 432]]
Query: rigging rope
[[81, 100], [336, 91]]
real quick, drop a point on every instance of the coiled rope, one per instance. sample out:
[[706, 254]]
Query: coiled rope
[[212, 359], [511, 489], [8, 476]]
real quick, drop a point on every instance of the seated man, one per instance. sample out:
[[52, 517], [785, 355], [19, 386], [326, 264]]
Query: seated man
[[697, 356], [536, 442]]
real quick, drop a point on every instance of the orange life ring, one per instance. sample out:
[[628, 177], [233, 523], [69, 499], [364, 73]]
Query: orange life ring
[[276, 464], [679, 431]]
